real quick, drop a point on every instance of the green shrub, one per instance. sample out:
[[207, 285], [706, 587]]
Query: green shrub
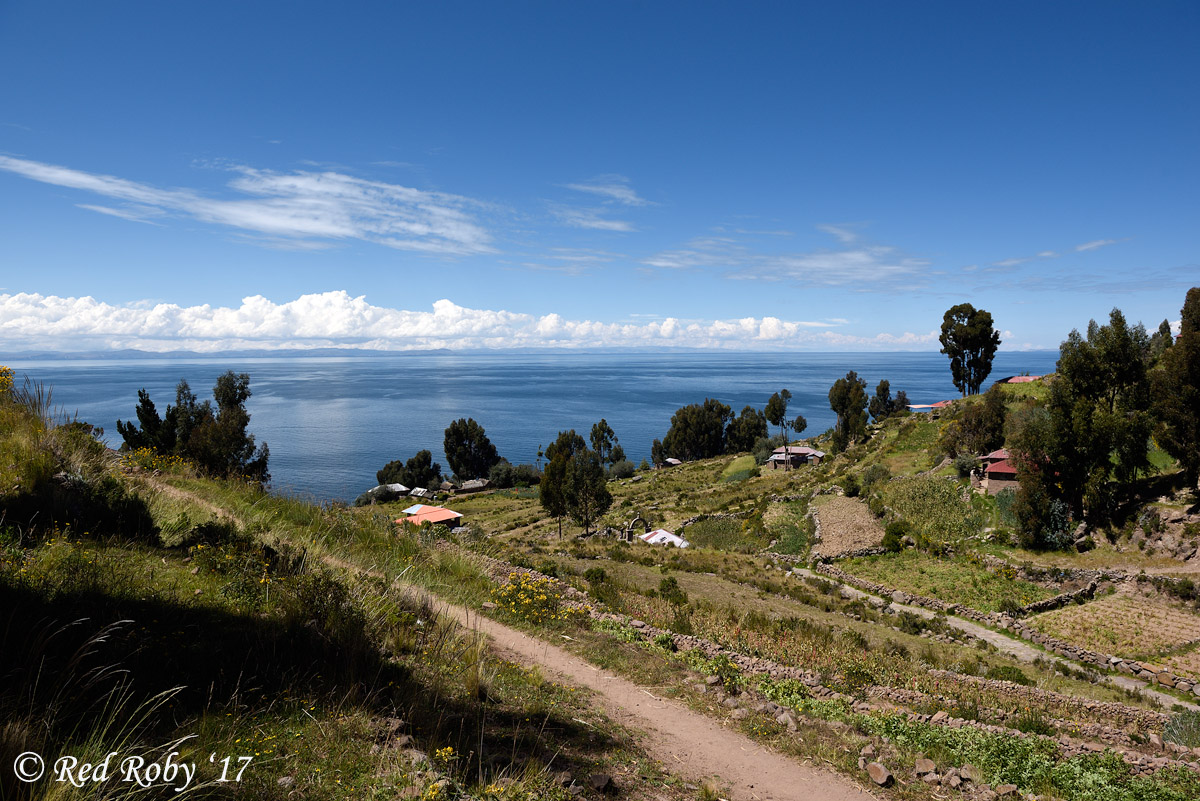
[[850, 485], [1011, 607], [533, 599], [595, 575], [1032, 721], [1009, 673], [1183, 728], [621, 469], [875, 474], [964, 464], [893, 536], [1004, 507], [671, 592]]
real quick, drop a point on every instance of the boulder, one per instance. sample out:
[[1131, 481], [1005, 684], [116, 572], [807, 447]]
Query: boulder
[[879, 774], [602, 783], [971, 773]]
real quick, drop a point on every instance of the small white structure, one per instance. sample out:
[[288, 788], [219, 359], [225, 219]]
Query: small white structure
[[397, 488], [671, 461], [420, 492], [660, 536]]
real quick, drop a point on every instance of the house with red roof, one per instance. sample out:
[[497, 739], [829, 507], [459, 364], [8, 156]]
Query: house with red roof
[[999, 474], [934, 409]]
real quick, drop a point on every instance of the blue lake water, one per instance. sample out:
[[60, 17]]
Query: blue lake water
[[331, 422]]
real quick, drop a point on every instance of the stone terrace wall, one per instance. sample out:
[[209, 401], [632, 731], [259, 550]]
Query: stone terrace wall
[[1143, 670], [500, 571]]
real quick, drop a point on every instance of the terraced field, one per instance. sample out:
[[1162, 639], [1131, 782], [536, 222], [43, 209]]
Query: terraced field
[[1124, 623], [955, 580], [846, 525], [1187, 663]]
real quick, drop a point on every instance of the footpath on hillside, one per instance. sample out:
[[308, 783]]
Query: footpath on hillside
[[689, 744]]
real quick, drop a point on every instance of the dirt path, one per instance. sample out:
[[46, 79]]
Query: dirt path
[[692, 746], [184, 495]]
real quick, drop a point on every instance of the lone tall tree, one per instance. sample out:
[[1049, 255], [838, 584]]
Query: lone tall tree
[[848, 399], [605, 444], [469, 452], [970, 340], [554, 489], [588, 497], [776, 412]]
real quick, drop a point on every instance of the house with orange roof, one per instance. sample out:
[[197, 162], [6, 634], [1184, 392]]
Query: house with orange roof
[[432, 515]]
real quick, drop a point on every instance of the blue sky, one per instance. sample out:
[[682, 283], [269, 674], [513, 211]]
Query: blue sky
[[736, 175]]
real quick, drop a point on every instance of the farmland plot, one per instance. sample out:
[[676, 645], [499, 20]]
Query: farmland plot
[[1185, 664], [846, 525], [1124, 624]]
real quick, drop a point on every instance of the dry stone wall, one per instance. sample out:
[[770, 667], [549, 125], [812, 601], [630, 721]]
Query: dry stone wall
[[1148, 672]]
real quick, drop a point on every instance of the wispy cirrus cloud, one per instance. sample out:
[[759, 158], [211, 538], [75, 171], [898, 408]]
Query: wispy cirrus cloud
[[336, 319], [865, 266], [300, 206], [569, 261], [611, 188], [143, 214], [845, 233], [1096, 244], [591, 219], [1053, 254]]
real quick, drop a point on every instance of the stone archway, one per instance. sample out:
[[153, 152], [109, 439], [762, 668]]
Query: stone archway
[[628, 534]]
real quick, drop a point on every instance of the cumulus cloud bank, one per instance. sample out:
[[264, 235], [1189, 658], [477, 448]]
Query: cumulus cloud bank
[[298, 207], [335, 319]]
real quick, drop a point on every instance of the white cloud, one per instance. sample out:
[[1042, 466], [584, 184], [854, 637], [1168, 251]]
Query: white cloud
[[591, 219], [845, 234], [905, 341], [613, 188], [336, 319], [1053, 254], [570, 261], [132, 213], [301, 206], [862, 266]]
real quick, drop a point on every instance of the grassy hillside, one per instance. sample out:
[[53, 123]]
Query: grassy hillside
[[146, 606], [143, 614]]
